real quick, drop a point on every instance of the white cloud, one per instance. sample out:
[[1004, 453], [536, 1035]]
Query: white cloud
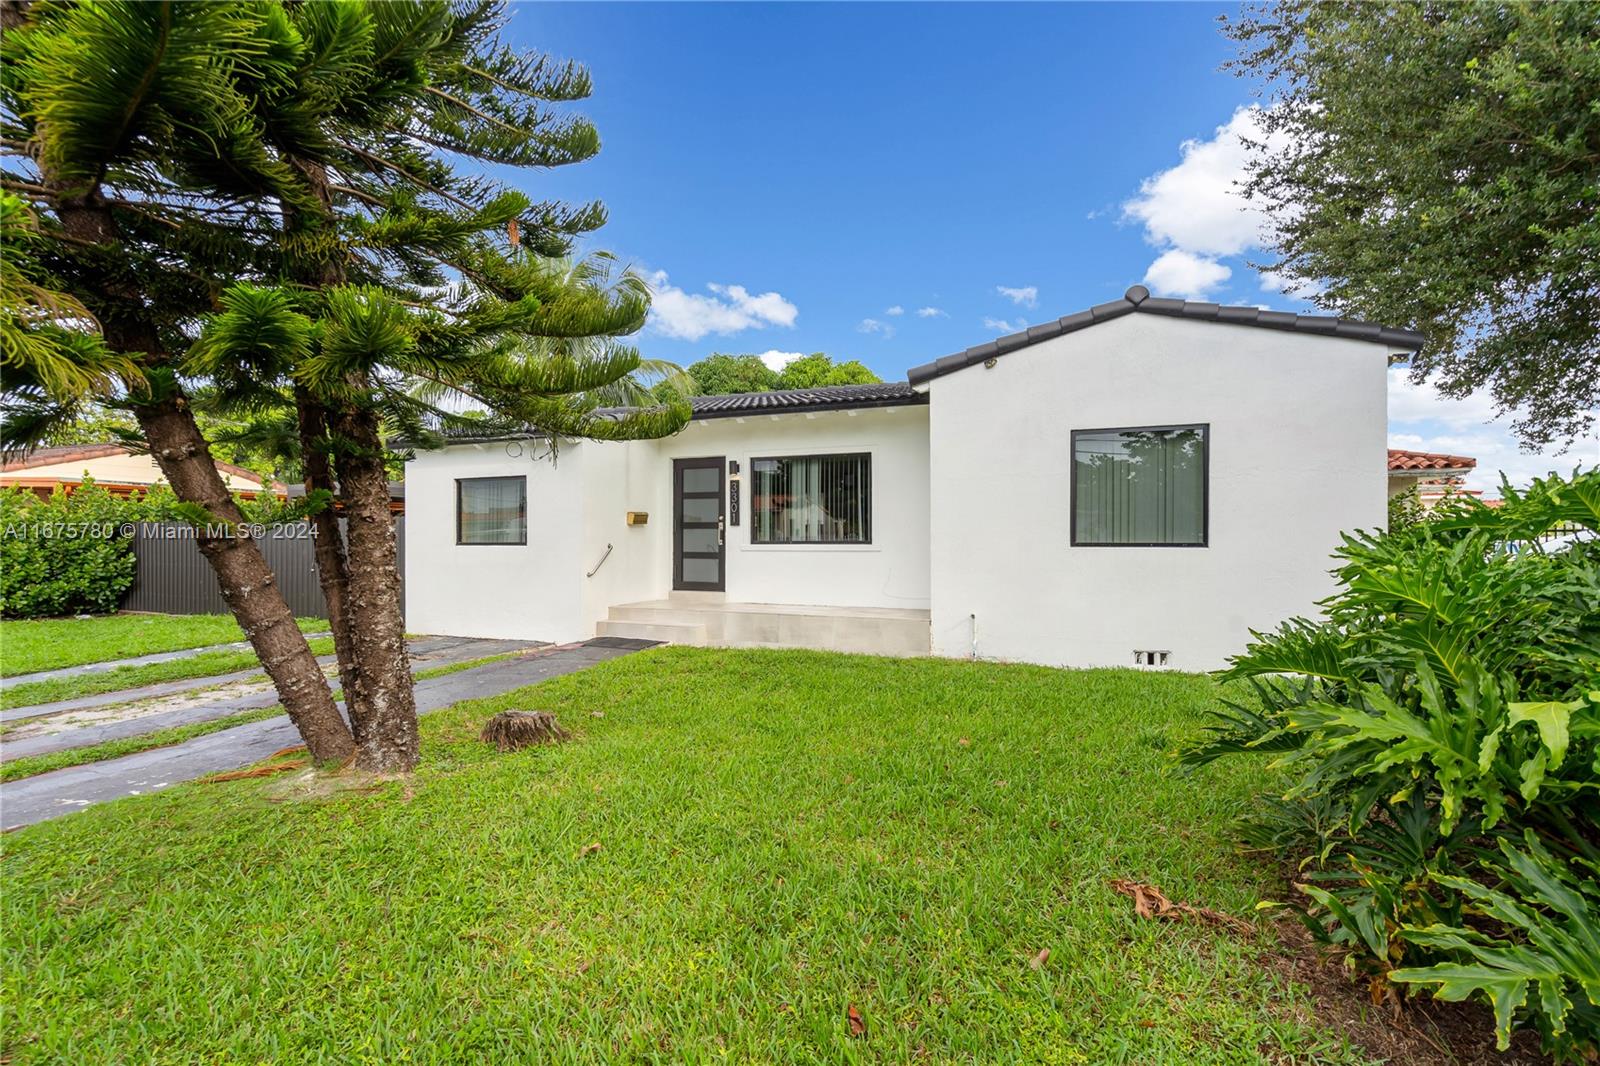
[[932, 312], [1275, 282], [1420, 419], [1411, 402], [895, 310], [1000, 325], [691, 315], [872, 325], [777, 360], [1179, 273], [1026, 296], [1198, 207]]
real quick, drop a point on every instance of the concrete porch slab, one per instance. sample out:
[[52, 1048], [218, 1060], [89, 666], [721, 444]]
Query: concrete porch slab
[[696, 619]]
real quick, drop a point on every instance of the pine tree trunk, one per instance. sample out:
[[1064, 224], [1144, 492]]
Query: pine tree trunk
[[183, 454], [385, 722], [246, 580], [330, 553], [386, 733]]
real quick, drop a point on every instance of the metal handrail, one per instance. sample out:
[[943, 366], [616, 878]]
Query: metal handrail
[[601, 563]]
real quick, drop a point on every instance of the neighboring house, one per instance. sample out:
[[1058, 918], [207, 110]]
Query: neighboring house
[[113, 467], [1139, 483], [397, 497], [1432, 475]]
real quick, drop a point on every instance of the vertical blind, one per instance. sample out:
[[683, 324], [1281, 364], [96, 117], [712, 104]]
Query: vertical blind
[[814, 499], [1140, 486], [492, 510]]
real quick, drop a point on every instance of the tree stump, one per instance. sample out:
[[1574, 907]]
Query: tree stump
[[510, 730]]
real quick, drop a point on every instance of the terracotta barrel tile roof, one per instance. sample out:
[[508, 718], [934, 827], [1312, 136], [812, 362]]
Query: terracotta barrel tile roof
[[64, 453], [82, 453], [1402, 460]]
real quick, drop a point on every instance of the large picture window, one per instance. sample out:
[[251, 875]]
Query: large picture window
[[492, 510], [1140, 487], [812, 499]]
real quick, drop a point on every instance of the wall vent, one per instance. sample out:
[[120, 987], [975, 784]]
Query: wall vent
[[1150, 660]]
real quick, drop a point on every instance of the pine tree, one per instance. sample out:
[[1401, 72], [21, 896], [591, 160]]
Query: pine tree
[[376, 122], [311, 157], [116, 112]]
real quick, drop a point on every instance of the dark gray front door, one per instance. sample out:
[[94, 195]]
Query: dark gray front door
[[698, 554]]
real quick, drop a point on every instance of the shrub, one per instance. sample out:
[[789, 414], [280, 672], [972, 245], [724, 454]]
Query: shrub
[[67, 554], [1441, 729]]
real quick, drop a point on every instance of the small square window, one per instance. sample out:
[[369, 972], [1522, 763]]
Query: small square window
[[492, 510], [1142, 487]]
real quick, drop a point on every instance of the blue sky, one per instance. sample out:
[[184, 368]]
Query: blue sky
[[894, 182]]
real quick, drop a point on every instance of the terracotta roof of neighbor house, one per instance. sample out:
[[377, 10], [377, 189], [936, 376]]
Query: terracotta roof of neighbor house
[[1139, 299], [64, 453], [81, 453], [1405, 462]]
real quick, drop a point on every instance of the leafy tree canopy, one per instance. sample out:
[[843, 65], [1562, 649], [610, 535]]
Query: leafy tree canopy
[[817, 369], [719, 374], [1438, 165]]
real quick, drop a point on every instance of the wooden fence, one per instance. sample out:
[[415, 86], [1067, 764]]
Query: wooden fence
[[174, 578]]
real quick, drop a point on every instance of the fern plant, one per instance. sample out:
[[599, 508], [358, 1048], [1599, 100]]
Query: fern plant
[[1445, 708]]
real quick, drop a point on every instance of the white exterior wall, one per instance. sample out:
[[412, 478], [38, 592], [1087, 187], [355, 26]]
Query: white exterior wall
[[579, 505], [892, 571], [1297, 450], [618, 478], [531, 591]]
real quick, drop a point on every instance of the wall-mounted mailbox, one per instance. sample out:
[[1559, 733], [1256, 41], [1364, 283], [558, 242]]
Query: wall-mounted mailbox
[[638, 518]]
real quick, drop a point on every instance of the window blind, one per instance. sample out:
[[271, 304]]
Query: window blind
[[813, 499], [492, 510], [1139, 486]]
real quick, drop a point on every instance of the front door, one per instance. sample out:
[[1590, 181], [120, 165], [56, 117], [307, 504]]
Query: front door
[[697, 550]]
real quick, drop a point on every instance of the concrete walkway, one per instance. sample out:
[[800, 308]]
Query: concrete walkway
[[45, 796], [421, 648], [426, 654], [141, 660]]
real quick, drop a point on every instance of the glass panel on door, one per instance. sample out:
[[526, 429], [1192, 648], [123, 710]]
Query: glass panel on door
[[699, 553]]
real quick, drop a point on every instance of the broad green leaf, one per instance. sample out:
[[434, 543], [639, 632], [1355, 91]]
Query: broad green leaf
[[1456, 982], [1551, 717]]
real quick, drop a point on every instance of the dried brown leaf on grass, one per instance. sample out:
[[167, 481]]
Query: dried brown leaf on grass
[[858, 1024], [259, 771], [1150, 902]]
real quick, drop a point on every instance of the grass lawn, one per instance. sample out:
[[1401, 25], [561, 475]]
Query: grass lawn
[[52, 643], [205, 664], [781, 836]]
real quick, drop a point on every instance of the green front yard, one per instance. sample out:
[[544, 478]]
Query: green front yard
[[782, 836], [52, 643]]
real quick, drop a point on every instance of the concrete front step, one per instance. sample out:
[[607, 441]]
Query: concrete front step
[[670, 632], [867, 630]]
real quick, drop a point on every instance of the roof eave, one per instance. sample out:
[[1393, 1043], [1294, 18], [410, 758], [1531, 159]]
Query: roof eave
[[1138, 299]]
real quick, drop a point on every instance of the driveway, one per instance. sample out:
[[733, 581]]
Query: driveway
[[62, 792]]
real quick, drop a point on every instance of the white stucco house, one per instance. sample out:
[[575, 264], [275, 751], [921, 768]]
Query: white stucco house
[[1140, 483]]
